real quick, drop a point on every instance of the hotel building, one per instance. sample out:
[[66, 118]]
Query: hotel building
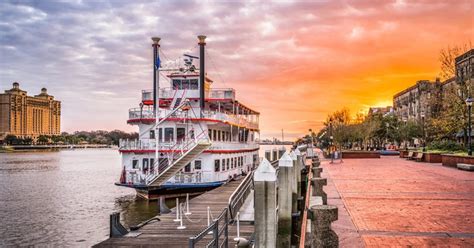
[[28, 116]]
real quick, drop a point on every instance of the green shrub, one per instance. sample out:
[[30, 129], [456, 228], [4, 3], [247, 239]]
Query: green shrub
[[446, 145]]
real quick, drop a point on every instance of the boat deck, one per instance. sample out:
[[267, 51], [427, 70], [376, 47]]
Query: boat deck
[[164, 233]]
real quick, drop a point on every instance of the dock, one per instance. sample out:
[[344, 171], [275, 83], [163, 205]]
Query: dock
[[164, 233]]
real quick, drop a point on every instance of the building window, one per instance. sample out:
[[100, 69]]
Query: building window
[[217, 166], [197, 164], [135, 164]]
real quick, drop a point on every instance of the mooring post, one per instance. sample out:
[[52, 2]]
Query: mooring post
[[321, 233], [317, 171], [274, 154], [116, 228], [268, 155], [286, 180], [281, 151], [294, 186], [318, 184], [265, 205], [299, 167]]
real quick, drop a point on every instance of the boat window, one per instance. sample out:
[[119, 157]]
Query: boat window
[[209, 132], [241, 161], [232, 163], [214, 134], [152, 134], [228, 166], [187, 168], [160, 134], [152, 162], [135, 164], [169, 132], [219, 134], [193, 84], [145, 164], [184, 84], [228, 163], [197, 164], [176, 84], [217, 166], [223, 165], [180, 134]]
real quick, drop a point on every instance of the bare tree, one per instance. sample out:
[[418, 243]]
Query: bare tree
[[447, 57]]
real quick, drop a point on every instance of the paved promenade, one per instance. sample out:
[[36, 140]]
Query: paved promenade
[[391, 202]]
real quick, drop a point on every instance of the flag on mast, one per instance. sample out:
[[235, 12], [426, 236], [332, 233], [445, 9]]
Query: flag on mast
[[157, 62]]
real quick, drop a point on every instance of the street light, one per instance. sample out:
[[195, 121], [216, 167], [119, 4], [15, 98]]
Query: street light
[[312, 138], [406, 133], [423, 129], [469, 106]]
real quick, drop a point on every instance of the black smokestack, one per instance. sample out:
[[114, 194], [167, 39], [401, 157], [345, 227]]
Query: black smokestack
[[156, 45], [202, 73]]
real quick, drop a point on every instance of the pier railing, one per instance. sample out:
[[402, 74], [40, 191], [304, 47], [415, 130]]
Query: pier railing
[[220, 232], [238, 197]]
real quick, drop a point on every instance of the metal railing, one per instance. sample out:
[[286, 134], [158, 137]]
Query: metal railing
[[168, 92], [238, 197], [178, 151], [219, 228]]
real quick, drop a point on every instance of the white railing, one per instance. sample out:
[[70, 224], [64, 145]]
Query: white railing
[[233, 146], [240, 120], [216, 93]]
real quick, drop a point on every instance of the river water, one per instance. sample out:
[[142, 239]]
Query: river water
[[64, 198]]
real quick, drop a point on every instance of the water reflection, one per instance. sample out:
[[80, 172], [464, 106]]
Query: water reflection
[[64, 198]]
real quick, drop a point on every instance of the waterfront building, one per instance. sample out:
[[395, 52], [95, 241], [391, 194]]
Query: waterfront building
[[425, 98], [28, 116], [414, 102]]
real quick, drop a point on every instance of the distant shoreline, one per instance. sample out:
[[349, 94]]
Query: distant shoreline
[[39, 148]]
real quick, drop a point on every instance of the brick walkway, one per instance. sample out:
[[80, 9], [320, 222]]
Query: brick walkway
[[398, 203]]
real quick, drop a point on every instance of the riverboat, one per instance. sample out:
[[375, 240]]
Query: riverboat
[[203, 136]]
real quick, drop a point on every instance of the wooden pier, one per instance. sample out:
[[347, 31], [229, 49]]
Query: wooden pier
[[164, 233]]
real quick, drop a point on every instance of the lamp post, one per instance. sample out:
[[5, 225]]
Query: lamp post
[[423, 129], [469, 101], [311, 135], [406, 133], [331, 141]]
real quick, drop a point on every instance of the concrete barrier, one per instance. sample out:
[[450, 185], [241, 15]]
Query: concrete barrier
[[317, 189], [317, 172], [321, 218], [265, 205]]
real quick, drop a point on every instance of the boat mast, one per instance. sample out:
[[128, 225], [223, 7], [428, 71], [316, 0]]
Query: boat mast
[[202, 75], [156, 89]]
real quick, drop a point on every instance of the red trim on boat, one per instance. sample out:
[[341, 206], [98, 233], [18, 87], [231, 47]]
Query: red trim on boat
[[206, 151]]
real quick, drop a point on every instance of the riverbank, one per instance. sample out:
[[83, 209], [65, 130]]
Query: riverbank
[[32, 148]]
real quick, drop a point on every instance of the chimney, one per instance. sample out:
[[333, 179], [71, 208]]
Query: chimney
[[202, 72], [156, 46]]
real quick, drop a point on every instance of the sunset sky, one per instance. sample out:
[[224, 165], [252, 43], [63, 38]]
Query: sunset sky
[[293, 61]]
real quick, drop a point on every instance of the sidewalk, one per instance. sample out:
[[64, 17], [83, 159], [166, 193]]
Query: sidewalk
[[397, 203]]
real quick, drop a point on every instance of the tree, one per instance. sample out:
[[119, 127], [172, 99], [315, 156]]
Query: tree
[[447, 59], [42, 139], [11, 139]]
